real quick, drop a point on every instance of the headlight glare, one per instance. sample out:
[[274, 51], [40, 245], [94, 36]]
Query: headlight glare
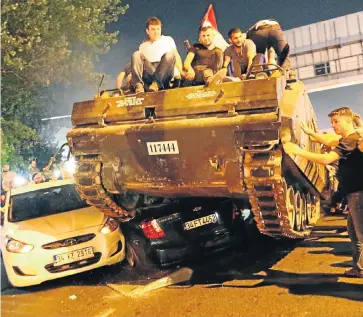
[[16, 246], [110, 226]]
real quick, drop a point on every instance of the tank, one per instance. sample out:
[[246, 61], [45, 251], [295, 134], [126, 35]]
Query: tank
[[224, 140]]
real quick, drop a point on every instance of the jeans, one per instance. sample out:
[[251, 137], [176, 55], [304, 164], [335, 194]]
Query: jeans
[[145, 72], [270, 36], [355, 228]]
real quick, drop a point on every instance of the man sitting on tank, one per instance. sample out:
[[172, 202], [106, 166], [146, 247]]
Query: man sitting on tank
[[239, 55], [267, 35], [157, 61], [203, 60]]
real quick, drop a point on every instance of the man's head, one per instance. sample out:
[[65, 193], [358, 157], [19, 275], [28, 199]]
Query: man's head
[[33, 163], [236, 37], [206, 36], [38, 178], [153, 28], [342, 120], [6, 168]]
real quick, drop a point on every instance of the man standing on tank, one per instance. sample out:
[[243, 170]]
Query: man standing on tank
[[203, 60], [267, 34], [240, 54], [157, 61], [350, 176]]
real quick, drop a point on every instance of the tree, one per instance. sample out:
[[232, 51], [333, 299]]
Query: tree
[[51, 41], [46, 42]]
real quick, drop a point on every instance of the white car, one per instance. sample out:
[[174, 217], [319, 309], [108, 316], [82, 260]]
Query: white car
[[48, 231]]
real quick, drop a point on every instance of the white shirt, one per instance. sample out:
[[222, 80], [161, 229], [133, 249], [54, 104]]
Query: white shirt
[[153, 51], [264, 22]]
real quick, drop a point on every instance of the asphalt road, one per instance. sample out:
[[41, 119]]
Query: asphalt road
[[272, 278]]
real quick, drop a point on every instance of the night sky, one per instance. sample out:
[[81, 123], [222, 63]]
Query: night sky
[[181, 20]]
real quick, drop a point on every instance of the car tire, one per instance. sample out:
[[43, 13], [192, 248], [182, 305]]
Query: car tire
[[5, 282]]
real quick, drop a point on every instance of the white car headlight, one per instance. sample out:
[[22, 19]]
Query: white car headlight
[[16, 246], [110, 226]]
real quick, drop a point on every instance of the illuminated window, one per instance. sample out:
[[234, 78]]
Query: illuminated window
[[322, 69]]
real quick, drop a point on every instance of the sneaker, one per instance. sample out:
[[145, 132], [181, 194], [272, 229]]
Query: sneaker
[[154, 87], [353, 272], [139, 88]]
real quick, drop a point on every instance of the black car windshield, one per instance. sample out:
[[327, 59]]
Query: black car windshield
[[44, 202]]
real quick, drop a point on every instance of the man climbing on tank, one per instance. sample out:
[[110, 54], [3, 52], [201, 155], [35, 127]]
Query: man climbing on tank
[[239, 55], [203, 60], [350, 176], [267, 35], [157, 61]]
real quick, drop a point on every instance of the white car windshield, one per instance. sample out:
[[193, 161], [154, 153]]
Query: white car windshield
[[45, 202]]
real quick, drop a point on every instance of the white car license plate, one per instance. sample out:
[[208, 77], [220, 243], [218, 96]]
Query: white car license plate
[[200, 222], [76, 255], [162, 147]]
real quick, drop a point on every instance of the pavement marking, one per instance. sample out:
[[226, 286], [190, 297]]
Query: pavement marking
[[181, 275]]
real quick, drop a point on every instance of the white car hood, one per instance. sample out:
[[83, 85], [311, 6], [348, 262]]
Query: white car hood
[[50, 228]]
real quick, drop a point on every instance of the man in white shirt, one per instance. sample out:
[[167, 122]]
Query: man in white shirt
[[267, 34], [157, 61]]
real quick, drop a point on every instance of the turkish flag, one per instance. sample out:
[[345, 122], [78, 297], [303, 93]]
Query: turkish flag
[[209, 19]]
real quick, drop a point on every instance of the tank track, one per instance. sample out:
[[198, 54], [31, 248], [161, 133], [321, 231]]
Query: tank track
[[279, 210], [89, 186]]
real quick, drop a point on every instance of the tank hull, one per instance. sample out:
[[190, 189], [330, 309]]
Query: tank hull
[[222, 141]]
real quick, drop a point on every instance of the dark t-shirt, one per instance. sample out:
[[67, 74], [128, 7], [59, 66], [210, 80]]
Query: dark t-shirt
[[242, 57], [205, 57], [350, 172]]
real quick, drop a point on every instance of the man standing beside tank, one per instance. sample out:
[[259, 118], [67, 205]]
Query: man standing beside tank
[[240, 54], [155, 61], [267, 34], [350, 176], [204, 59]]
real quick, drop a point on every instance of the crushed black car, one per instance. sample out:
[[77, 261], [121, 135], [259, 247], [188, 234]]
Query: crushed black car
[[180, 231]]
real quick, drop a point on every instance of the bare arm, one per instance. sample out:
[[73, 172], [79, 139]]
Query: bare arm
[[119, 79], [271, 56], [188, 66], [251, 53], [178, 62], [328, 139], [227, 60], [326, 158]]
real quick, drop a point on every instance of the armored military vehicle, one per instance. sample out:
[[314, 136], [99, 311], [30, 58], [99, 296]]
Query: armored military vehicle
[[224, 140]]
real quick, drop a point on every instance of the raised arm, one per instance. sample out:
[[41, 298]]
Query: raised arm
[[190, 74]]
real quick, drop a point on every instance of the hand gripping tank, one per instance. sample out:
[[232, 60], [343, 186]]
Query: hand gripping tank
[[225, 140]]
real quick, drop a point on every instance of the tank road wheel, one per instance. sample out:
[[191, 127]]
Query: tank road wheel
[[291, 206], [298, 202], [309, 208], [316, 207], [304, 216]]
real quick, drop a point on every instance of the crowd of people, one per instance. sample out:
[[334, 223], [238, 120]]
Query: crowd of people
[[33, 175], [157, 63]]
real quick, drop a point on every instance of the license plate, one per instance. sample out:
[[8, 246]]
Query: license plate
[[200, 222], [162, 147], [76, 255]]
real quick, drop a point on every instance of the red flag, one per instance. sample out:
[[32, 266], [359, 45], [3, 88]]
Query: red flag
[[209, 18]]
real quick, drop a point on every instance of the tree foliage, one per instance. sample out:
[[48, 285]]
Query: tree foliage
[[46, 42], [50, 41]]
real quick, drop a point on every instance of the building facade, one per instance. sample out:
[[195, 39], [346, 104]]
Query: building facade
[[328, 54]]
